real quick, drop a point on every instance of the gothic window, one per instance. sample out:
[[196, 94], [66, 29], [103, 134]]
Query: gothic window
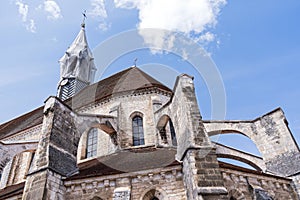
[[92, 140], [172, 131], [138, 131]]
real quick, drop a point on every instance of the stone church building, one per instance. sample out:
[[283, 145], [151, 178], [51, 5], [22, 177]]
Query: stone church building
[[129, 137]]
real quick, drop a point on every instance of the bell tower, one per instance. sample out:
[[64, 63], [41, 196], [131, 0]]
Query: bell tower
[[77, 68]]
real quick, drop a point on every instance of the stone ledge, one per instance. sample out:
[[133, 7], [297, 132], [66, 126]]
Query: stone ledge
[[212, 190]]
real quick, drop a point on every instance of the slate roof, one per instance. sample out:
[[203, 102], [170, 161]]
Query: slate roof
[[130, 80], [23, 122]]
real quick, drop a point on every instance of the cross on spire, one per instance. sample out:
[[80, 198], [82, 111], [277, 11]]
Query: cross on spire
[[135, 60], [83, 20]]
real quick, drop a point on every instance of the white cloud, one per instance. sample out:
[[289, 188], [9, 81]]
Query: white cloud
[[207, 37], [52, 8], [190, 17], [31, 26], [104, 26], [98, 9], [128, 4], [22, 9]]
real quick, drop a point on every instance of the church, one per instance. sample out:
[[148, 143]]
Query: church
[[129, 137]]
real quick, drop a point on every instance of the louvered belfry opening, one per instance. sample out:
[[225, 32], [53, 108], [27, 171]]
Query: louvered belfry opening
[[72, 87]]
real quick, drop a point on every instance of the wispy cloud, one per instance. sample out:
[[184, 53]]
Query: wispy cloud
[[53, 10], [98, 12], [23, 11], [98, 9], [30, 26], [190, 17]]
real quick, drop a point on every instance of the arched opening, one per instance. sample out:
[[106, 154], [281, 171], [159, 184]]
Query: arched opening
[[238, 141], [167, 131], [138, 131], [153, 194], [95, 142], [241, 151]]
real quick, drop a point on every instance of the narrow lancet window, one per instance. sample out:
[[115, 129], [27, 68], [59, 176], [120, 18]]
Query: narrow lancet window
[[173, 134], [138, 131], [92, 140]]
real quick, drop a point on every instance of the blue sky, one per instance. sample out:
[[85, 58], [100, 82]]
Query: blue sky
[[254, 44]]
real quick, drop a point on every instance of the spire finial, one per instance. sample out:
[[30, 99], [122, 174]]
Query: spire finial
[[83, 20], [135, 60]]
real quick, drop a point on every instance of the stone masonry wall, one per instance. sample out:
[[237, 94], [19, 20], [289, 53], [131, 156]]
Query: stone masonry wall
[[241, 185], [202, 176], [166, 181], [44, 185], [119, 106]]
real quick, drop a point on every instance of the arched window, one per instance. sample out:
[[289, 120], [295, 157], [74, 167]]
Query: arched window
[[91, 145], [138, 131]]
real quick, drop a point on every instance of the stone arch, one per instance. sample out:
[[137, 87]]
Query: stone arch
[[223, 151], [241, 159], [136, 113], [226, 131], [245, 129], [163, 120], [270, 133], [154, 194], [166, 129], [106, 143]]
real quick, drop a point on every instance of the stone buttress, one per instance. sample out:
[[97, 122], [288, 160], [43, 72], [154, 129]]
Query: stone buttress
[[202, 177]]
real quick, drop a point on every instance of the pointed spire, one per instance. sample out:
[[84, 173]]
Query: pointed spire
[[77, 63]]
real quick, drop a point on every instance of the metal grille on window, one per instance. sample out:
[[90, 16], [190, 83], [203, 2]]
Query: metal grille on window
[[92, 139], [138, 131]]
